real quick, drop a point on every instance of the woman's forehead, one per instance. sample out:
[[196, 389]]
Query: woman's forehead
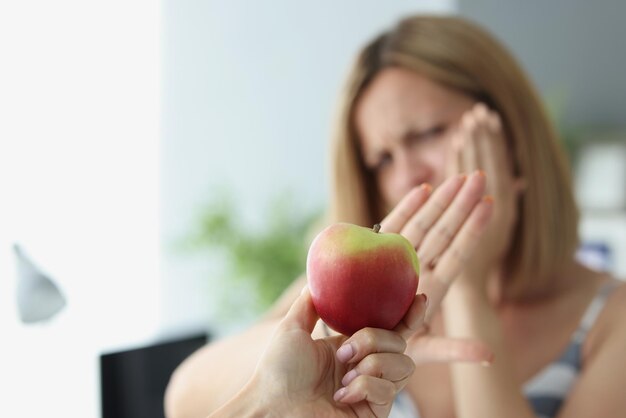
[[399, 99]]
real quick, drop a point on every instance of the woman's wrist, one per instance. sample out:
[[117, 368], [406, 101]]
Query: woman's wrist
[[251, 402], [469, 314], [471, 285], [257, 400], [465, 303], [466, 290], [241, 405]]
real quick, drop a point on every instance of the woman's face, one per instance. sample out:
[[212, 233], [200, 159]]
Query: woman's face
[[404, 122]]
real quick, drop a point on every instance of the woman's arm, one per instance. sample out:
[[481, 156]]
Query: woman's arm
[[599, 391], [215, 373], [482, 392]]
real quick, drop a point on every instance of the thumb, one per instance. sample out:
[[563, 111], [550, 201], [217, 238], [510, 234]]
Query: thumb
[[302, 314], [454, 166]]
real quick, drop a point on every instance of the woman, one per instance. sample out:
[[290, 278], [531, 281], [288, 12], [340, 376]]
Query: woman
[[432, 98]]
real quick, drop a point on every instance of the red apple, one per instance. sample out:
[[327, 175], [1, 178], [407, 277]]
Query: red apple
[[359, 277]]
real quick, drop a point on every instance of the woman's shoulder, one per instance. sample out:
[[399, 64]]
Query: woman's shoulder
[[614, 312], [608, 328]]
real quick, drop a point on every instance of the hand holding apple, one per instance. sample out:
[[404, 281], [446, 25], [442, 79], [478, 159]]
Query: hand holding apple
[[359, 277]]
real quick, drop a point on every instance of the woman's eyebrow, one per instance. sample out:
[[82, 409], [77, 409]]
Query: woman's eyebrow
[[422, 131]]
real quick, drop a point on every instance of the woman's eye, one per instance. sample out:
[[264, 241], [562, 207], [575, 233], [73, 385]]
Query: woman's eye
[[383, 162], [436, 132], [429, 134]]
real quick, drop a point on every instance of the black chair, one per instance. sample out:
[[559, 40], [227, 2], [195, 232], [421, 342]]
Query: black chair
[[133, 381]]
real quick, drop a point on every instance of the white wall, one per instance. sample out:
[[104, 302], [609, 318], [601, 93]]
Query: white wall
[[573, 50], [249, 90], [79, 113]]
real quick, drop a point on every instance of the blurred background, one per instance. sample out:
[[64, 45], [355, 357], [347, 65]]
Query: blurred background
[[154, 154]]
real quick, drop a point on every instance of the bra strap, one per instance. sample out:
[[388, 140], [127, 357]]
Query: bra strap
[[594, 309]]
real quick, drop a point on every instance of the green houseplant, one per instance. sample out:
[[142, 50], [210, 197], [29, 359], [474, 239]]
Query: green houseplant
[[261, 262]]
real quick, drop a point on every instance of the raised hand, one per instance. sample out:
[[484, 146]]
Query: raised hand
[[444, 227], [480, 144]]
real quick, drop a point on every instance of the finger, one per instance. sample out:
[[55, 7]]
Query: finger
[[481, 111], [413, 320], [443, 232], [419, 224], [407, 207], [494, 122], [367, 341], [454, 164], [377, 392], [469, 130], [430, 349], [494, 154], [301, 314], [396, 368], [457, 254]]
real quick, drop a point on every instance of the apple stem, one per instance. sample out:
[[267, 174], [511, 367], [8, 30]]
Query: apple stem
[[376, 228]]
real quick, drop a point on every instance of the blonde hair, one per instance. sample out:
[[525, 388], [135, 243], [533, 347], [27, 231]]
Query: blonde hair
[[462, 56]]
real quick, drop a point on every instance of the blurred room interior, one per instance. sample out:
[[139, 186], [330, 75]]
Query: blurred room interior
[[126, 125]]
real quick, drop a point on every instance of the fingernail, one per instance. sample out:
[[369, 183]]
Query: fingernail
[[304, 289], [349, 377], [340, 394], [488, 199], [480, 173], [462, 177], [425, 298], [345, 353], [427, 187], [488, 362]]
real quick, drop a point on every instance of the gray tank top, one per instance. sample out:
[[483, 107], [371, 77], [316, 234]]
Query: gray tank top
[[548, 389]]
